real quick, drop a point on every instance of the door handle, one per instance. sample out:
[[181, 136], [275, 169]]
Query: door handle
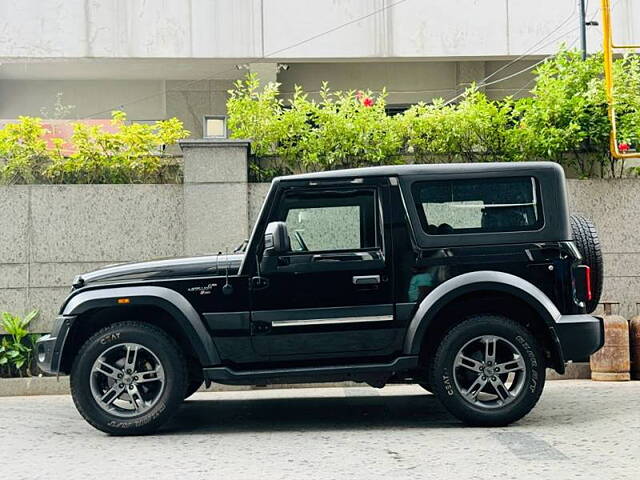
[[366, 279]]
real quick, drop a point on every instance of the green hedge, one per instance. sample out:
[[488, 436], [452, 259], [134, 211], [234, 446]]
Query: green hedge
[[564, 120], [132, 154]]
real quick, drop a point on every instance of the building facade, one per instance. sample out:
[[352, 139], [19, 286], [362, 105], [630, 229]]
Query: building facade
[[156, 59]]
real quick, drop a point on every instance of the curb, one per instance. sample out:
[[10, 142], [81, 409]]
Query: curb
[[13, 387], [18, 387]]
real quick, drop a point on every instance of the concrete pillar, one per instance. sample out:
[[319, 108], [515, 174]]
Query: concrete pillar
[[215, 199], [468, 73]]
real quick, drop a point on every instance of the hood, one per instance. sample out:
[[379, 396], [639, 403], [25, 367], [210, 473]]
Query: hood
[[209, 265]]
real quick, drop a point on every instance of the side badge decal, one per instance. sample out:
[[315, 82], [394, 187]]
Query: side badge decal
[[203, 289]]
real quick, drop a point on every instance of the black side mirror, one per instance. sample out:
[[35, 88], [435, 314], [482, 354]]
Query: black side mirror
[[276, 239]]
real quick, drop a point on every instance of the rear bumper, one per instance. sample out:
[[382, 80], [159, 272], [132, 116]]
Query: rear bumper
[[49, 347], [579, 335]]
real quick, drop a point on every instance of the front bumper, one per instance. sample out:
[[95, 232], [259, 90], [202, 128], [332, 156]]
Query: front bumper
[[49, 347], [579, 335]]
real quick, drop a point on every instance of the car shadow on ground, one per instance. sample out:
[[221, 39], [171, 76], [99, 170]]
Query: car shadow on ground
[[309, 414]]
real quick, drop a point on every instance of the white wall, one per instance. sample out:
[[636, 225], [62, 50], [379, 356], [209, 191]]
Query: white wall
[[245, 29], [130, 28]]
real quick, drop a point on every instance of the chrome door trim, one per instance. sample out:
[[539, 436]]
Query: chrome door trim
[[330, 321]]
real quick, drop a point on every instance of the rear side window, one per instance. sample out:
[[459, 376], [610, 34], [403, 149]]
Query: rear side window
[[478, 205]]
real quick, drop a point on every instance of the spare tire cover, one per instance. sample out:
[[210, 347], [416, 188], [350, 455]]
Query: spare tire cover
[[586, 239]]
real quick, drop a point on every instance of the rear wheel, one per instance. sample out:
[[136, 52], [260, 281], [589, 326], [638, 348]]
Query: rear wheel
[[128, 379], [488, 371]]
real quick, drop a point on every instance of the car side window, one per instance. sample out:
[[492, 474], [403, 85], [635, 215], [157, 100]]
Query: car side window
[[330, 220], [507, 204]]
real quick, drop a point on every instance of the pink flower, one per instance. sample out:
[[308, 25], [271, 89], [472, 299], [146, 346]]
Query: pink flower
[[623, 147], [368, 102], [359, 95]]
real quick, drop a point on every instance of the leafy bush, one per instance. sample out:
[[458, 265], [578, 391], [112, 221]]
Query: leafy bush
[[626, 72], [475, 130], [344, 129], [131, 154], [16, 348], [566, 118], [24, 150], [565, 121]]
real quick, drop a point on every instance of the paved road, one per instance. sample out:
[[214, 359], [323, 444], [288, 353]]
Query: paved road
[[580, 429]]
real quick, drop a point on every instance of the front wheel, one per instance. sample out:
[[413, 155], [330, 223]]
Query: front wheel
[[128, 379], [488, 371]]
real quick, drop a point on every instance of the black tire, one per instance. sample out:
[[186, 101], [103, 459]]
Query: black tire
[[528, 386], [168, 397], [585, 236]]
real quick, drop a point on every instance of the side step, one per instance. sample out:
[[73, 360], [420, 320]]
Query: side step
[[376, 373]]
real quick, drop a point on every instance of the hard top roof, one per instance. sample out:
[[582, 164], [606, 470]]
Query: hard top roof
[[425, 169]]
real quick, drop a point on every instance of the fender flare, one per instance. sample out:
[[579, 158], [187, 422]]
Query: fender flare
[[503, 282], [169, 300]]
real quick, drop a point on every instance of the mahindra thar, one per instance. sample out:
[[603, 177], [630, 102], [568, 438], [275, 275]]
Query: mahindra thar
[[466, 279]]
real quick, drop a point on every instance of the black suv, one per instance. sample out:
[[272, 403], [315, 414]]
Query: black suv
[[467, 279]]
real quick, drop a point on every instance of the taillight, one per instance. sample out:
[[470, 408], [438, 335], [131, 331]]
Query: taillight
[[587, 272]]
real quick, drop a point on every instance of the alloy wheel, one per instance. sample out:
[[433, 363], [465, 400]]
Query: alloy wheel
[[127, 380], [489, 371]]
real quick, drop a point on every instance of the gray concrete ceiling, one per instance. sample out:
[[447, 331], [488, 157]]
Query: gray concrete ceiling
[[121, 69]]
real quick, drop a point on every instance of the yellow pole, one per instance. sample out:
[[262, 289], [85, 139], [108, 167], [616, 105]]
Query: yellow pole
[[607, 50], [607, 47]]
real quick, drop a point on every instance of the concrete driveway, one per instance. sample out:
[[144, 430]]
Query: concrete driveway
[[580, 429]]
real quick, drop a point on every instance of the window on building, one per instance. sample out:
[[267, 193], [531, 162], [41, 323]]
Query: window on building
[[397, 108], [215, 126], [478, 205]]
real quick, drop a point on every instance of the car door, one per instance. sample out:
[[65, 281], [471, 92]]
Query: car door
[[331, 295]]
